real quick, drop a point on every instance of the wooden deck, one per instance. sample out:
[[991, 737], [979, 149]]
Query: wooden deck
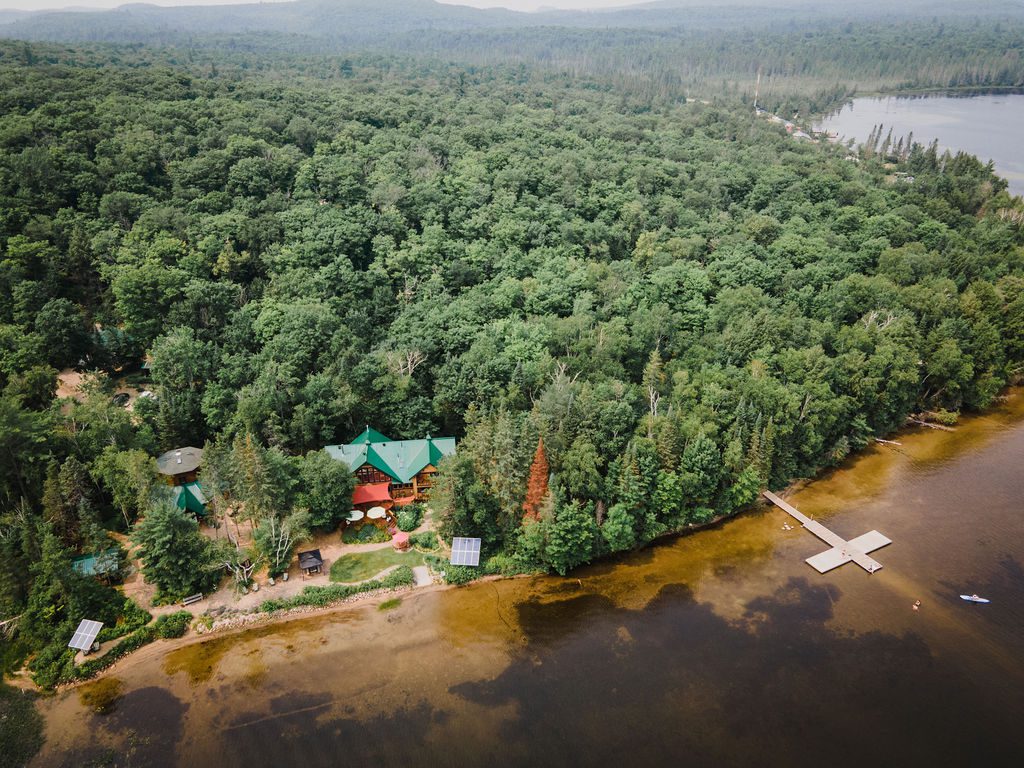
[[842, 551]]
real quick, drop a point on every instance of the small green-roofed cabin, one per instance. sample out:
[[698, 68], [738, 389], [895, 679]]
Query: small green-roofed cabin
[[190, 497], [408, 465], [100, 564]]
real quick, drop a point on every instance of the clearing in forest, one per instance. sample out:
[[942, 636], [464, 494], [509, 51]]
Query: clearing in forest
[[360, 566]]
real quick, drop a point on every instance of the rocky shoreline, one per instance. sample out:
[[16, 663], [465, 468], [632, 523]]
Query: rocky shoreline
[[227, 619]]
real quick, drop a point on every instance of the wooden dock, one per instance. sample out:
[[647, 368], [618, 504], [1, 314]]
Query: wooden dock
[[842, 551]]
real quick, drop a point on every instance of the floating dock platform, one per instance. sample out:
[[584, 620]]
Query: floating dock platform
[[842, 551]]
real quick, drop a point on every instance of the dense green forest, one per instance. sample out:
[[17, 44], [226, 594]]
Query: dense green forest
[[684, 302], [802, 69], [809, 53]]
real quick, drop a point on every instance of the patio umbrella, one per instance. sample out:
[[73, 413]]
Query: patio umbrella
[[376, 513], [354, 515]]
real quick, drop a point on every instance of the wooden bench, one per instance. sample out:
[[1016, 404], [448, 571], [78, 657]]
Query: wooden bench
[[192, 599]]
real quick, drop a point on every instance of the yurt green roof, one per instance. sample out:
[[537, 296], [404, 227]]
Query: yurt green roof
[[190, 497]]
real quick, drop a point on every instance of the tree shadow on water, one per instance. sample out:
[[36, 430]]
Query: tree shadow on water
[[146, 725], [596, 684], [674, 683]]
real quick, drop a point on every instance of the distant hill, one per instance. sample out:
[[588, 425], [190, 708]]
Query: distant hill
[[7, 17], [351, 21], [342, 19]]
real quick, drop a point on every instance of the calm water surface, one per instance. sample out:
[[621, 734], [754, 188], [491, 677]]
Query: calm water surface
[[987, 126], [720, 648]]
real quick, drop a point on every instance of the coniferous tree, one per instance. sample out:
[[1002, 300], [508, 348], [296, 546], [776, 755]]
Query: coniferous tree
[[572, 536], [60, 597], [251, 481], [175, 556], [537, 484], [326, 489]]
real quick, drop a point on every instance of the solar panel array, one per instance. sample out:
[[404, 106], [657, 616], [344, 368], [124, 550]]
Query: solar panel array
[[465, 551], [85, 635]]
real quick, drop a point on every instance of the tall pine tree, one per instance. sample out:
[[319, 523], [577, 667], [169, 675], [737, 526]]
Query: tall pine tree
[[537, 485]]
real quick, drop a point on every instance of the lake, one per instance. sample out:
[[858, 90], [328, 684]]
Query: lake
[[988, 126], [718, 648]]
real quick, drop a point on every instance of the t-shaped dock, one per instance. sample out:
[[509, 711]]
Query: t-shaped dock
[[842, 551]]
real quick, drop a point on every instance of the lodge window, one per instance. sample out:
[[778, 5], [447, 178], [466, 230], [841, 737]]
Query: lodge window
[[368, 474]]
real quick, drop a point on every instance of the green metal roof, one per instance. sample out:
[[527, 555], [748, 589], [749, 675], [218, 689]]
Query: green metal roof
[[97, 563], [370, 436], [190, 496], [400, 460]]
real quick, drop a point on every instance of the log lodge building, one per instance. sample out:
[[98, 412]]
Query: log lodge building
[[391, 472]]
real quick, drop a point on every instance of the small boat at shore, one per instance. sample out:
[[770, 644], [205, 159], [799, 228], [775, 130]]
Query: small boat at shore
[[974, 599]]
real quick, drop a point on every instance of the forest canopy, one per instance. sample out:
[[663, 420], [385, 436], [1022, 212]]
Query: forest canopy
[[809, 53], [684, 302]]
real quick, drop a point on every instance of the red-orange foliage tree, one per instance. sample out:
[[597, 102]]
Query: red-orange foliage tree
[[537, 485]]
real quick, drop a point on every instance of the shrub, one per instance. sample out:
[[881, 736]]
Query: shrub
[[366, 534], [942, 416], [55, 663], [702, 515], [460, 574], [424, 540], [388, 605], [52, 664], [13, 654], [322, 596], [132, 617], [453, 574], [409, 517], [173, 624], [400, 577], [508, 565]]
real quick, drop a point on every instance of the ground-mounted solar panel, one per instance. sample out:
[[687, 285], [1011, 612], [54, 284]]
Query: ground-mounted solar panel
[[85, 635], [465, 551]]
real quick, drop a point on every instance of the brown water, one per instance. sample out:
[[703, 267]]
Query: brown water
[[720, 648]]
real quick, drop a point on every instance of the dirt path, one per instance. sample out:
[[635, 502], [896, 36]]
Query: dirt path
[[226, 599], [69, 383]]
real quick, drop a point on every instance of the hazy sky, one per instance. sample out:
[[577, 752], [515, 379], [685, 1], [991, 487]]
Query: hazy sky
[[519, 5]]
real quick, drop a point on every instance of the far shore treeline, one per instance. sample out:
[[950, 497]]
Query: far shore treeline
[[681, 301]]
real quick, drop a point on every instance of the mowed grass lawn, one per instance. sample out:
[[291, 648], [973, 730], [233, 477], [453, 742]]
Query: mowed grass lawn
[[360, 566]]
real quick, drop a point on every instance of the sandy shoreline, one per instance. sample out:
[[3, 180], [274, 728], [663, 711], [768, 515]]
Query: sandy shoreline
[[253, 618], [247, 621]]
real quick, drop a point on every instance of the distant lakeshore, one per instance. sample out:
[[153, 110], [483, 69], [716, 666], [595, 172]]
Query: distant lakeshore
[[953, 117]]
